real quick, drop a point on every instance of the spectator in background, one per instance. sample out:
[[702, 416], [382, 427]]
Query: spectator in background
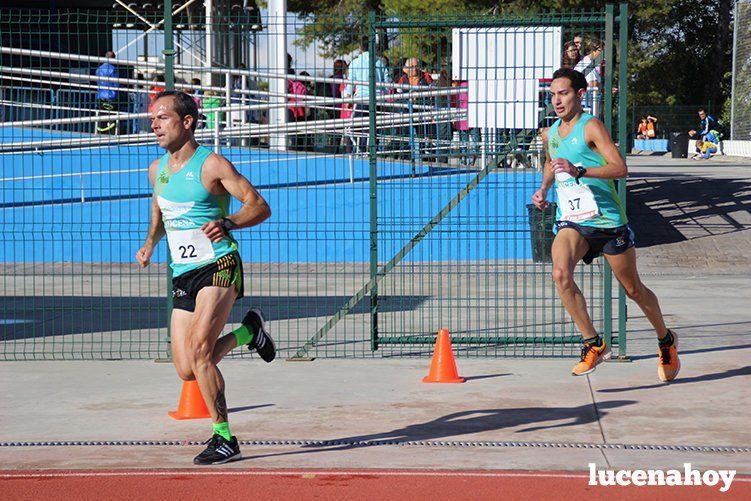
[[155, 89], [196, 92], [647, 127], [705, 148], [571, 56], [347, 143], [197, 96], [359, 70], [143, 124], [706, 125], [413, 74], [467, 136], [295, 112], [340, 68], [108, 95], [591, 65], [579, 44]]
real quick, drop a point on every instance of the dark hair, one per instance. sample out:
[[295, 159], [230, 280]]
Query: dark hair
[[702, 110], [364, 42], [578, 82], [183, 103]]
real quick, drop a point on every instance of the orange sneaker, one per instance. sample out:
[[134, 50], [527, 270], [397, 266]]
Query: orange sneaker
[[669, 364], [591, 357]]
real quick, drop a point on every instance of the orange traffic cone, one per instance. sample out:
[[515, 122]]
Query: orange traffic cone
[[443, 366], [191, 405]]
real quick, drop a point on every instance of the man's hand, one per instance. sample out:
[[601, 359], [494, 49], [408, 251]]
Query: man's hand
[[143, 256], [562, 165], [692, 133], [539, 199], [214, 231]]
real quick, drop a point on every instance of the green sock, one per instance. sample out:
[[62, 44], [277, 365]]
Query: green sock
[[223, 430], [244, 335]]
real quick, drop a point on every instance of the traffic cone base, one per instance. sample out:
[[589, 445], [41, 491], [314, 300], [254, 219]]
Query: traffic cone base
[[443, 365], [192, 404]]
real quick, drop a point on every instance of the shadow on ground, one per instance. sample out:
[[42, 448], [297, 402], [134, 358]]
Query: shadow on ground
[[472, 422], [26, 317], [658, 206]]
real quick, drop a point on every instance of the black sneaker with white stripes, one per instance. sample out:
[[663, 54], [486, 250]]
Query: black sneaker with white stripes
[[219, 451], [262, 341]]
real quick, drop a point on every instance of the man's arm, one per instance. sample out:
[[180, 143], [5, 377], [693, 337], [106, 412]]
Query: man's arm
[[539, 198], [598, 139], [156, 228], [226, 179]]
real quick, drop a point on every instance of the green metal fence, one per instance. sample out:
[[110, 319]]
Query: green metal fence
[[387, 224]]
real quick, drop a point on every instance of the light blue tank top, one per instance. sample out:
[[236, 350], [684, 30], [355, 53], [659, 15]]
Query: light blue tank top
[[575, 149], [187, 205]]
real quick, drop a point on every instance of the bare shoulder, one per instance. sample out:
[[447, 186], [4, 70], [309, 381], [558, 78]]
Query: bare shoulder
[[545, 133], [218, 167], [595, 125], [153, 168]]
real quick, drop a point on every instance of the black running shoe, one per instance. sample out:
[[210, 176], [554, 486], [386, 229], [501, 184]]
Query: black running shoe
[[219, 451], [262, 341]]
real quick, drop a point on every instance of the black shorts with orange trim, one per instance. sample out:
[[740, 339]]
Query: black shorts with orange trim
[[227, 271]]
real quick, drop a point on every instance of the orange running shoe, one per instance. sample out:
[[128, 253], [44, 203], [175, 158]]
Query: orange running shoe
[[591, 357], [669, 363]]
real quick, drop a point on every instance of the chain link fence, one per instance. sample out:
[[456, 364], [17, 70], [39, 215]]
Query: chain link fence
[[390, 218]]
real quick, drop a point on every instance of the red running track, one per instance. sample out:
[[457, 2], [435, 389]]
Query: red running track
[[298, 485]]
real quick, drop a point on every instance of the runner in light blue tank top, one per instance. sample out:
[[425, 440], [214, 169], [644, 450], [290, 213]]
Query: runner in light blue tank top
[[186, 206], [190, 205], [582, 163], [575, 149]]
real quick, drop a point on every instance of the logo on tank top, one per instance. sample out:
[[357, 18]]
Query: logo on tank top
[[172, 212], [190, 176], [574, 140]]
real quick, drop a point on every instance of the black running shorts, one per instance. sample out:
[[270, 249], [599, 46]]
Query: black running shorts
[[611, 241], [227, 271]]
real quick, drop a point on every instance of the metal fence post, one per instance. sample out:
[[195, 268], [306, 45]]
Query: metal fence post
[[372, 151], [622, 146], [169, 83]]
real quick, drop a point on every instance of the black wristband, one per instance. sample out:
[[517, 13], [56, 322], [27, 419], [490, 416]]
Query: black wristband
[[580, 173], [227, 225]]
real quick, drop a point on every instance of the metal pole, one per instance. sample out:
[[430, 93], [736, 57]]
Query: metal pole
[[278, 63], [169, 83], [372, 150], [735, 56], [622, 146], [209, 6], [607, 274]]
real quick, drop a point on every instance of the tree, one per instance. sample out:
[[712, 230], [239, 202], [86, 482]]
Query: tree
[[679, 50]]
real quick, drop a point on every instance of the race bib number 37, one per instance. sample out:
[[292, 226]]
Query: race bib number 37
[[190, 246], [576, 200]]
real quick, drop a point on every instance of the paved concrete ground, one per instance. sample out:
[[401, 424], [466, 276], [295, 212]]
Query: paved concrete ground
[[693, 219]]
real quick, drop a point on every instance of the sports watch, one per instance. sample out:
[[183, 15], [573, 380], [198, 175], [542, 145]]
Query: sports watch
[[580, 171], [228, 225]]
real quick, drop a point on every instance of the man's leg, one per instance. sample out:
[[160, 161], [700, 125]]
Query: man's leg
[[213, 306], [625, 271], [569, 247]]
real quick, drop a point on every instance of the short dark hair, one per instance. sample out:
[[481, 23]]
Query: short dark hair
[[364, 42], [578, 82], [702, 110], [183, 103]]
